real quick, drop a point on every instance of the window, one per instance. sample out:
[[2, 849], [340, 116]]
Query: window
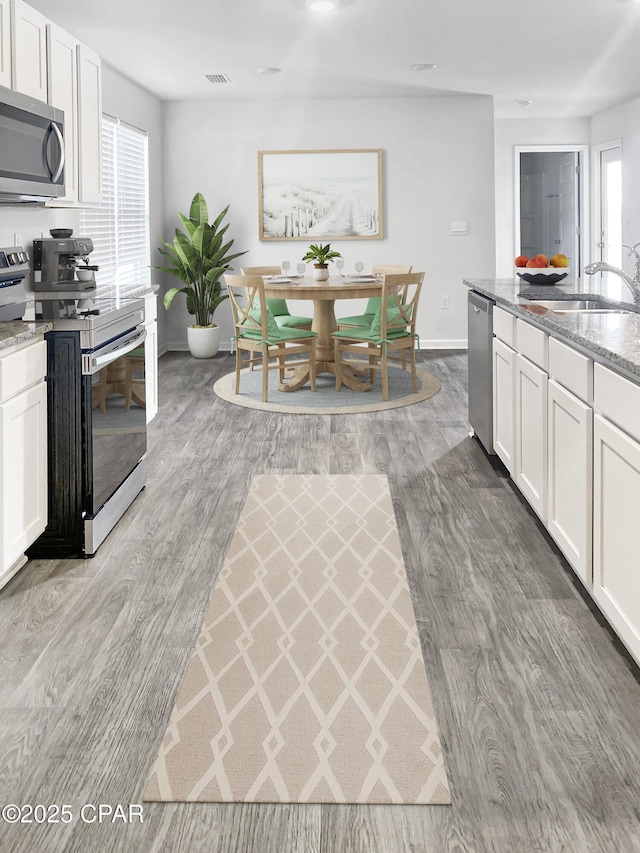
[[119, 227]]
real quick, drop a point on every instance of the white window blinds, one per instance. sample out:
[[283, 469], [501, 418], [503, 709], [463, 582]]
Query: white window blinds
[[119, 227]]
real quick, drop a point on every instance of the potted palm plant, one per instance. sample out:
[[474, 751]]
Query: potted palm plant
[[199, 257], [320, 255]]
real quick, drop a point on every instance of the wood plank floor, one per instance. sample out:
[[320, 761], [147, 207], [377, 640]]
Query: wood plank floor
[[539, 710]]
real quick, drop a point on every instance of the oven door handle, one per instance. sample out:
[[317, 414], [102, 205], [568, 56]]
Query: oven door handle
[[92, 364]]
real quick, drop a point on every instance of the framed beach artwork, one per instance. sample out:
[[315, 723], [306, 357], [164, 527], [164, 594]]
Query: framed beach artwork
[[320, 195]]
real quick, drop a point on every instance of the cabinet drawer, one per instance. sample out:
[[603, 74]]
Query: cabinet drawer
[[22, 369], [571, 369], [617, 399], [532, 343], [504, 326]]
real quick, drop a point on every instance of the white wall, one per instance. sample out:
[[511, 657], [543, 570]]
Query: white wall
[[623, 123], [508, 134], [123, 99], [438, 167]]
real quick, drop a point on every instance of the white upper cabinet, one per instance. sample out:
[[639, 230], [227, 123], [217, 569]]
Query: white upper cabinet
[[28, 51], [89, 125], [5, 44], [63, 94]]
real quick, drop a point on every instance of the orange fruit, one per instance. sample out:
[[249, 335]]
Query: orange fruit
[[521, 261], [542, 258], [537, 263]]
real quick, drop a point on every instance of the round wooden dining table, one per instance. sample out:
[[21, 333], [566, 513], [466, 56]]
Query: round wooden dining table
[[324, 294]]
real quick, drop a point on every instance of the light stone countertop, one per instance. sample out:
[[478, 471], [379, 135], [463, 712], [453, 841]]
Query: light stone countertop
[[14, 332], [609, 338]]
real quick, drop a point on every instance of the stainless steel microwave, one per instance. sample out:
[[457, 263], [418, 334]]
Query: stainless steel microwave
[[31, 149]]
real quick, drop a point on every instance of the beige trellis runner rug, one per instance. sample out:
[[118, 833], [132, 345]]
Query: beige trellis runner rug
[[307, 682]]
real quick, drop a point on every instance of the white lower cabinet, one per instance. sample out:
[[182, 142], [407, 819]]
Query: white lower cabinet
[[570, 478], [616, 530], [504, 362], [23, 455], [531, 433]]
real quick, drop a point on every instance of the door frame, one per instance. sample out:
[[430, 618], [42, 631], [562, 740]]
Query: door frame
[[584, 189]]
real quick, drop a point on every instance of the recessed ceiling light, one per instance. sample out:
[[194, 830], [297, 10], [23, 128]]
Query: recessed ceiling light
[[268, 70], [423, 66], [322, 5], [525, 103]]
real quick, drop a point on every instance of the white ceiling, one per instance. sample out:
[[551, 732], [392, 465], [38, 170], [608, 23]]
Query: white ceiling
[[570, 57]]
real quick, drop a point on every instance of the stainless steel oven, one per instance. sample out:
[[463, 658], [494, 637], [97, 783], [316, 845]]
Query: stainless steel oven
[[31, 148], [96, 419]]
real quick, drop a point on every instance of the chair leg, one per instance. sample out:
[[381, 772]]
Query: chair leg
[[265, 373], [385, 375], [238, 365], [312, 365], [281, 367], [414, 376], [372, 373], [336, 351]]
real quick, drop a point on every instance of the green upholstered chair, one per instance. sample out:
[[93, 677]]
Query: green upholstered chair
[[257, 333], [390, 336], [279, 307], [365, 319]]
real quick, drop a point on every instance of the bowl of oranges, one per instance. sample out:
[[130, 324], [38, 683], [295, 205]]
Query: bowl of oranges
[[542, 270]]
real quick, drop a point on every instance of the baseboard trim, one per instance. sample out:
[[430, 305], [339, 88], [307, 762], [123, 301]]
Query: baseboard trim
[[452, 343], [225, 346]]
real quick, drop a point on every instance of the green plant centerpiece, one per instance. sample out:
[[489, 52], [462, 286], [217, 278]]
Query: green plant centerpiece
[[199, 256], [321, 255]]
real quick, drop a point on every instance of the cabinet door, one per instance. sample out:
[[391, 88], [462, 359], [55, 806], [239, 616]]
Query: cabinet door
[[63, 94], [616, 531], [28, 50], [23, 449], [503, 403], [151, 370], [531, 434], [5, 44], [89, 125], [570, 481]]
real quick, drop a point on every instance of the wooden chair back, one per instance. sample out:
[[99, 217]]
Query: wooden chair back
[[400, 292], [275, 270], [251, 293]]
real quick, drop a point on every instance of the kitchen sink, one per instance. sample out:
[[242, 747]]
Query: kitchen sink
[[576, 306]]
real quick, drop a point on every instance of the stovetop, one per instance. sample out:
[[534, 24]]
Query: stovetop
[[82, 311]]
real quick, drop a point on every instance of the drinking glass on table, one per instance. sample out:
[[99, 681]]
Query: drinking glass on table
[[359, 267], [302, 268], [339, 262], [285, 267]]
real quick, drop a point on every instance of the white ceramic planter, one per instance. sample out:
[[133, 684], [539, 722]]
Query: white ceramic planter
[[320, 272], [203, 341]]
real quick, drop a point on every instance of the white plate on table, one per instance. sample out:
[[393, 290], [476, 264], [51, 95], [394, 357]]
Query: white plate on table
[[362, 279], [277, 279]]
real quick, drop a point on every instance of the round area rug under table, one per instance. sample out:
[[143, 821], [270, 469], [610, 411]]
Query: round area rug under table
[[326, 400]]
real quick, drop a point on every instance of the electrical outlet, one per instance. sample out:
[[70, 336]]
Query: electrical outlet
[[17, 239], [444, 302]]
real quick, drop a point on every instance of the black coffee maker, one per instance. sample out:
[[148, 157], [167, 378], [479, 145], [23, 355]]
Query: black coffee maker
[[62, 264]]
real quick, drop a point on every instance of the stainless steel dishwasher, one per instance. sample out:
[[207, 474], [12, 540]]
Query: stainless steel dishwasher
[[481, 368]]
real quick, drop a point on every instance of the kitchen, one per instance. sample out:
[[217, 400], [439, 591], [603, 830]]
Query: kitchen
[[92, 646]]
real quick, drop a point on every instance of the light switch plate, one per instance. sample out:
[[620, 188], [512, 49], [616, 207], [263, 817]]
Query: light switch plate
[[458, 228]]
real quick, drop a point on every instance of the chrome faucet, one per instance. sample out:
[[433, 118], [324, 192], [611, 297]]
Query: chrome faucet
[[632, 283]]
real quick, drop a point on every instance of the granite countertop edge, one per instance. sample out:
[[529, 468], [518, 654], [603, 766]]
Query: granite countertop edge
[[621, 348], [16, 332]]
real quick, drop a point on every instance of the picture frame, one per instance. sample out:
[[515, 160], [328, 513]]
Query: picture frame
[[316, 195]]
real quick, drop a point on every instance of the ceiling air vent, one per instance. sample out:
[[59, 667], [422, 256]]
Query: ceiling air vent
[[218, 78]]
